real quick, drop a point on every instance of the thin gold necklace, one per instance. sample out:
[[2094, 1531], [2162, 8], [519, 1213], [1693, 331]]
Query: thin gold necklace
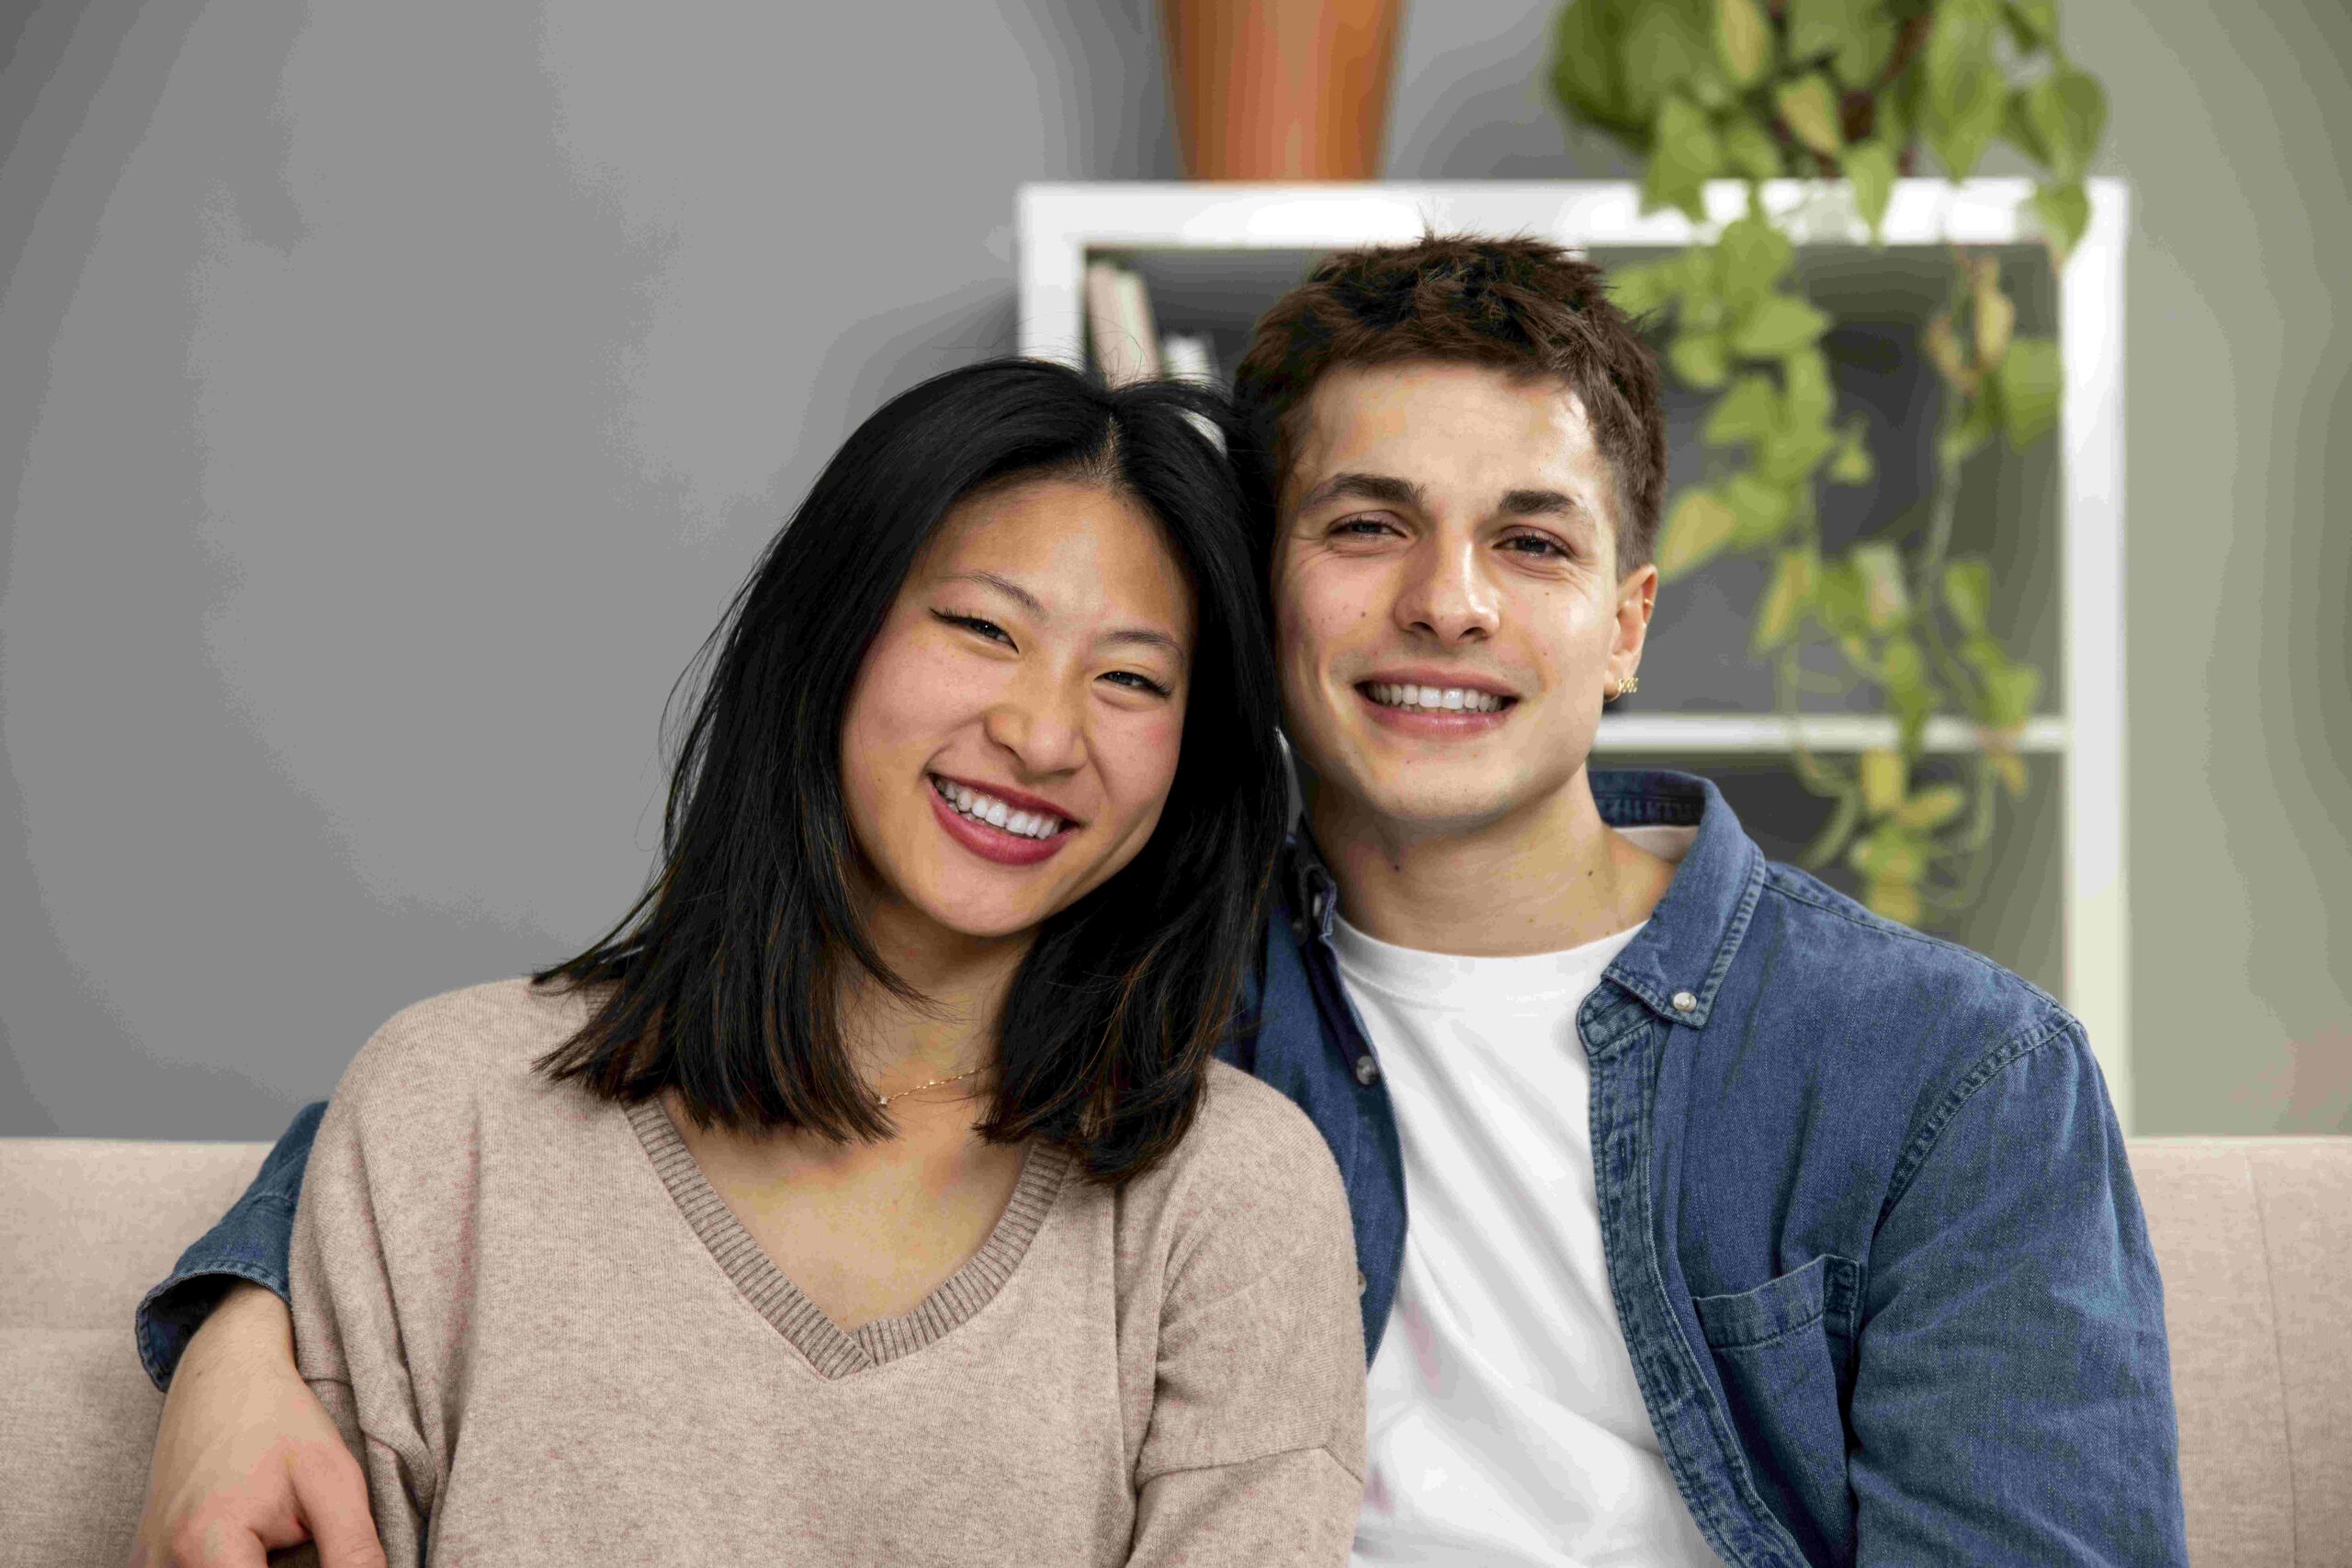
[[883, 1101]]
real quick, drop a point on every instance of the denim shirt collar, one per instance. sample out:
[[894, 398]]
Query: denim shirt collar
[[1691, 937]]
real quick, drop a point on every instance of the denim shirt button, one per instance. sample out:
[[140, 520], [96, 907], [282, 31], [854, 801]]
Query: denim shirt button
[[1367, 1071], [1684, 1001], [1360, 1282]]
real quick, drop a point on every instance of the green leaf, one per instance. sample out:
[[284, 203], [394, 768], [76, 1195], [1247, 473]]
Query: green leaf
[[1965, 439], [2065, 212], [2009, 768], [1789, 456], [1784, 600], [1749, 148], [1806, 394], [1967, 99], [2030, 379], [1753, 255], [1684, 155], [1764, 509], [1864, 55], [1885, 602], [2034, 22], [1853, 463], [1838, 597], [1587, 76], [1664, 44], [2066, 112], [1891, 853], [1896, 899], [1968, 593], [1995, 313], [1871, 168], [1817, 27], [1883, 775], [1932, 807], [2009, 693], [1639, 290], [1743, 40], [1810, 108], [1749, 411], [1697, 528], [1701, 359], [1779, 324]]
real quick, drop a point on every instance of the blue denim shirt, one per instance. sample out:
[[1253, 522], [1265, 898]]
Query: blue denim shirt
[[1870, 1232]]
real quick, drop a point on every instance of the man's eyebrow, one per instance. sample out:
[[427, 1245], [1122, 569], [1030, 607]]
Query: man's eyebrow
[[1542, 503], [1385, 488], [1006, 586]]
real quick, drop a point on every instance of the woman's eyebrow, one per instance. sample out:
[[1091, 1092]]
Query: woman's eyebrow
[[1141, 638], [1006, 586]]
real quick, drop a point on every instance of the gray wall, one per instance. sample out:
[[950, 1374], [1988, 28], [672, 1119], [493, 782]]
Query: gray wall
[[391, 395]]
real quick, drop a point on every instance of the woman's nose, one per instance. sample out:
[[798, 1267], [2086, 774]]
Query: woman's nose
[[1041, 724]]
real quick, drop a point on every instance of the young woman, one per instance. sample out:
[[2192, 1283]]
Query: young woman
[[868, 1194]]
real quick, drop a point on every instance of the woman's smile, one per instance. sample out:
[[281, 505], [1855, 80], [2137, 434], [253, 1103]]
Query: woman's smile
[[997, 829]]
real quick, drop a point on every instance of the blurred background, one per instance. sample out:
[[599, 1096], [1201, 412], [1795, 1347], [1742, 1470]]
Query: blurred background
[[390, 398]]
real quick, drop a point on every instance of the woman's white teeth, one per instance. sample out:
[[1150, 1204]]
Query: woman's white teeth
[[1454, 699], [987, 808]]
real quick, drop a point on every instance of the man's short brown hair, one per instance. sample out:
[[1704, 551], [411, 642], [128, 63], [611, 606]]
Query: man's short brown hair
[[1520, 305]]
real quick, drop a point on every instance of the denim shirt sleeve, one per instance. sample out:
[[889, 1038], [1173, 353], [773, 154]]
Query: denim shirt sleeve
[[2012, 1386], [251, 1242]]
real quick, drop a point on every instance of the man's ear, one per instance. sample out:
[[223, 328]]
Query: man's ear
[[1637, 597]]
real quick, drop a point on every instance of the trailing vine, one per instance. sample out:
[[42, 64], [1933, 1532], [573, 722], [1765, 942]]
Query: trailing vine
[[1848, 91]]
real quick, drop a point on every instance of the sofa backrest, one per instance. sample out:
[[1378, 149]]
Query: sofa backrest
[[2254, 1236]]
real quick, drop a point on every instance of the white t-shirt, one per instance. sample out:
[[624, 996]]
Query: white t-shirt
[[1506, 1427]]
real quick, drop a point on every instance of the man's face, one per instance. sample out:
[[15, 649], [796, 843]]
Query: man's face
[[1449, 617]]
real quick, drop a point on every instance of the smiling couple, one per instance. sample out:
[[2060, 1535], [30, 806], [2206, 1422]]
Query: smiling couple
[[874, 1191]]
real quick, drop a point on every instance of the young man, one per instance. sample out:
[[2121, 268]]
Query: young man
[[1747, 1226]]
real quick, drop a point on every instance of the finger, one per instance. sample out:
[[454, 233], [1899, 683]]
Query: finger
[[331, 1492], [214, 1542]]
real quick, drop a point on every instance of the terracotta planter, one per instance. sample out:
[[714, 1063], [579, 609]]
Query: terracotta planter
[[1281, 89]]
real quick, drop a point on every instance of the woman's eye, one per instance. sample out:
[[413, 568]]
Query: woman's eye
[[1137, 683], [1361, 528], [989, 629]]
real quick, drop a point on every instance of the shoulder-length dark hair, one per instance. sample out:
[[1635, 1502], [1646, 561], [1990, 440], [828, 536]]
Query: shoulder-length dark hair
[[724, 982]]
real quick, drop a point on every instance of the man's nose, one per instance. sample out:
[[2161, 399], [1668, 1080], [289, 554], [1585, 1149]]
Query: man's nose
[[1445, 593]]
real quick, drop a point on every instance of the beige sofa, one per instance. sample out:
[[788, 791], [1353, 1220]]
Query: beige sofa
[[2255, 1237]]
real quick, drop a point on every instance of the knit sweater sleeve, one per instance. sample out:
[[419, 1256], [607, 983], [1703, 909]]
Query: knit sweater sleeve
[[373, 1272], [1255, 1447]]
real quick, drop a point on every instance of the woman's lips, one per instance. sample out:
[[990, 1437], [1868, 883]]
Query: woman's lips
[[992, 843]]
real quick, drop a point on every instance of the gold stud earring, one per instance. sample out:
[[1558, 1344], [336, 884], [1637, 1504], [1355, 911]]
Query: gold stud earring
[[1626, 686]]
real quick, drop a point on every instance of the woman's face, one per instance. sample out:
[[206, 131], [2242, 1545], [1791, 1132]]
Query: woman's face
[[1012, 734]]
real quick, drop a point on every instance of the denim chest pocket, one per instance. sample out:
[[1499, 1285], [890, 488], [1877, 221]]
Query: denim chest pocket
[[1784, 1351]]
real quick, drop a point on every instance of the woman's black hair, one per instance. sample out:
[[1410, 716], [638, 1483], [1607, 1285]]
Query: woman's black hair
[[724, 982]]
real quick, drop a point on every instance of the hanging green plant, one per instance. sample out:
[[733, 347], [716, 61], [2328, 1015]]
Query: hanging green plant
[[1851, 91]]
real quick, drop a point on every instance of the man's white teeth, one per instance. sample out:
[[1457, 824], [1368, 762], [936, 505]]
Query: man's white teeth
[[1454, 699], [987, 808]]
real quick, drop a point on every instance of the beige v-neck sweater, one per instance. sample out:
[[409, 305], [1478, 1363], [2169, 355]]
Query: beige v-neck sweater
[[548, 1342]]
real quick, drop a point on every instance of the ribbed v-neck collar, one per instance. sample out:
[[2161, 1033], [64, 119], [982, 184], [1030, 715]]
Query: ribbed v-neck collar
[[832, 1351]]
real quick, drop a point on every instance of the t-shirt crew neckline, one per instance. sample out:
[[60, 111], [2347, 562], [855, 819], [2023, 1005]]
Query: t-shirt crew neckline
[[833, 1351], [1452, 982]]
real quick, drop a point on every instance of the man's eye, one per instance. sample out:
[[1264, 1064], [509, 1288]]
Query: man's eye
[[1535, 545], [989, 629], [1360, 527]]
